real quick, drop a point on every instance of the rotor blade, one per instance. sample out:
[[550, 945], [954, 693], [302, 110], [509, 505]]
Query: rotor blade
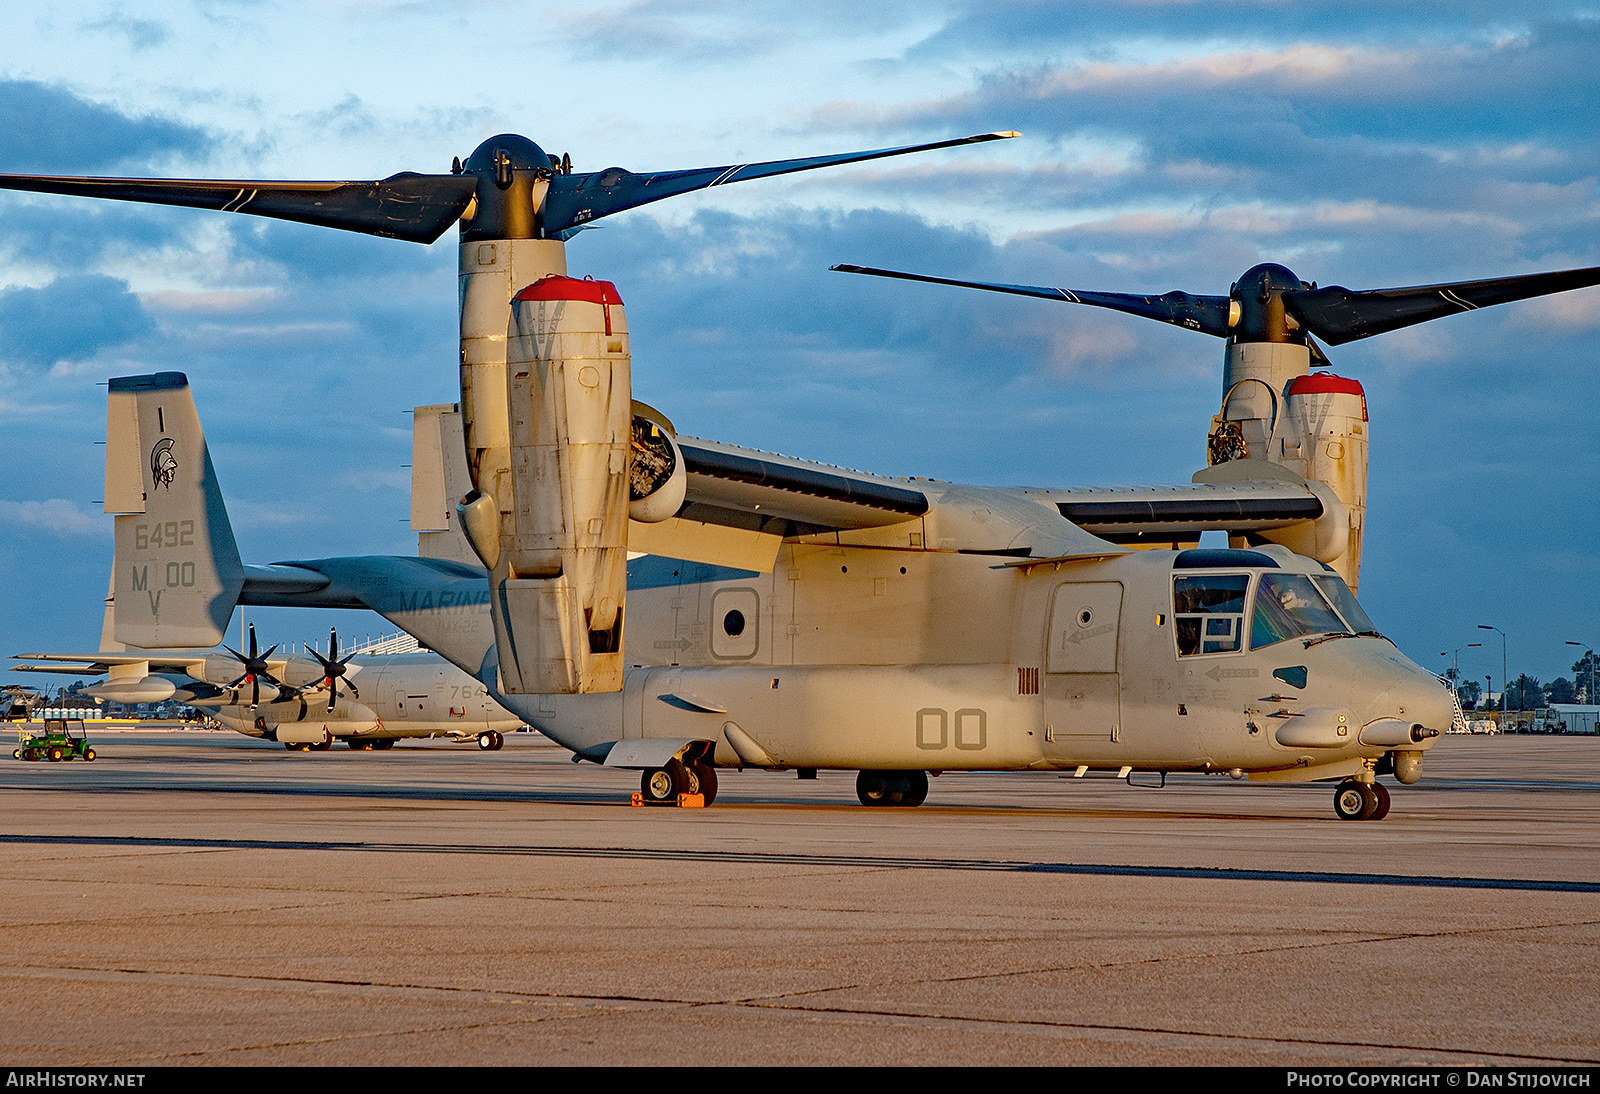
[[584, 196], [409, 206], [1207, 314], [1337, 314]]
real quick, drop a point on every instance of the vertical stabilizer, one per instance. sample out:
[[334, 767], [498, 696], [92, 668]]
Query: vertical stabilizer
[[108, 623], [177, 574]]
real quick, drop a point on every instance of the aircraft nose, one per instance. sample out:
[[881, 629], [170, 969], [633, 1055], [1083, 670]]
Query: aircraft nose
[[1403, 690]]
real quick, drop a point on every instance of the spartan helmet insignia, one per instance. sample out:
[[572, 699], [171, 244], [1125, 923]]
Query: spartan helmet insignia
[[163, 465]]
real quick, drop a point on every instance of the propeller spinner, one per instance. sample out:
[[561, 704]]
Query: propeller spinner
[[255, 670], [334, 668]]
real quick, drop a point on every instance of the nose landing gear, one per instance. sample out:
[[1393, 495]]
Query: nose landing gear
[[1356, 800]]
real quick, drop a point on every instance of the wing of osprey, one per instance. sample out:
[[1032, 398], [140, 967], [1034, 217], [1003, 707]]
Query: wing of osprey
[[741, 504]]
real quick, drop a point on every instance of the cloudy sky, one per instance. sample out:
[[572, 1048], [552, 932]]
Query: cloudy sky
[[1166, 145]]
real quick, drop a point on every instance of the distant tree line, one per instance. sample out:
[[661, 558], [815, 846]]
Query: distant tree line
[[1527, 693]]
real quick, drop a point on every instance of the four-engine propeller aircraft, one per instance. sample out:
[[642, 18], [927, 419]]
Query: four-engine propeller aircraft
[[281, 697], [296, 701], [821, 617]]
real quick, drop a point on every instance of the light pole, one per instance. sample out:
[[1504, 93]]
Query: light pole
[[1588, 652], [1504, 679], [1455, 668]]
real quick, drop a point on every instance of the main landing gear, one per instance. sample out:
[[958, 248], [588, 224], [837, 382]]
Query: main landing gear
[[490, 741], [903, 788], [662, 785], [1356, 800]]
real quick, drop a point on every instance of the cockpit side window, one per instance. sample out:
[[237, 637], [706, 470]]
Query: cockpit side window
[[1209, 612], [1334, 588], [1289, 606]]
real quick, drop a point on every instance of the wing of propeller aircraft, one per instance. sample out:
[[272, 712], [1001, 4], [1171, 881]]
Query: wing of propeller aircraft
[[795, 615]]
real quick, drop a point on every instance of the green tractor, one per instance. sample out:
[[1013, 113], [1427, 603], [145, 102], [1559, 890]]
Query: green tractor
[[55, 743]]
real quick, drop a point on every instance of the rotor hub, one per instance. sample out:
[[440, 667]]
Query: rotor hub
[[510, 170], [1262, 316]]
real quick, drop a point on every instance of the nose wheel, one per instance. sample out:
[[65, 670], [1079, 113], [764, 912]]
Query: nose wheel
[[1355, 800], [491, 741]]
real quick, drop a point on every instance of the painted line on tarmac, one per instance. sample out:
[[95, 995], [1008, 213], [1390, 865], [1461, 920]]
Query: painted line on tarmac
[[1197, 873]]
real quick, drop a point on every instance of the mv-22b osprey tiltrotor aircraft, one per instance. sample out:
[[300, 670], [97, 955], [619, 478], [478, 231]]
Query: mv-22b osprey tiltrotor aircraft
[[796, 615]]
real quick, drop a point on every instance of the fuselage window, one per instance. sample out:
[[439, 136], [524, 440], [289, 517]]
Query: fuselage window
[[1209, 612], [1289, 606]]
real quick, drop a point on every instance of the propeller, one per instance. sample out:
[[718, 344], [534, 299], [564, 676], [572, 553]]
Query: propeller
[[255, 670], [333, 668], [509, 188], [1270, 304]]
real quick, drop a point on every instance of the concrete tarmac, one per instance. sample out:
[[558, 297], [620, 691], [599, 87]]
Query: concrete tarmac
[[196, 897]]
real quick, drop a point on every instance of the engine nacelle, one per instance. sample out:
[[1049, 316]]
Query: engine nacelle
[[559, 583], [1275, 409], [1324, 437]]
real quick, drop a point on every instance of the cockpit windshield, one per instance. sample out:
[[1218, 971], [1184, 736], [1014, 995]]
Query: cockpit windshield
[[1334, 588], [1209, 610], [1289, 606]]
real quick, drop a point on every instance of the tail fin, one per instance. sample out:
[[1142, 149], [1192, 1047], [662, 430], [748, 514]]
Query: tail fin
[[177, 573], [108, 623]]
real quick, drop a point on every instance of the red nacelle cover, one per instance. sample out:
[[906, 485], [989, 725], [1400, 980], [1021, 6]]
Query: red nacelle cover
[[556, 287], [1326, 383]]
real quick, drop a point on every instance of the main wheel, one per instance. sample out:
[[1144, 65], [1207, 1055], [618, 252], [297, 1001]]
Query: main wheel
[[1350, 800], [916, 788], [705, 776], [664, 784], [879, 788], [485, 741], [1382, 794]]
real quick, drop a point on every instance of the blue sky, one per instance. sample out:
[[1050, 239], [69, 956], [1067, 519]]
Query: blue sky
[[1166, 145]]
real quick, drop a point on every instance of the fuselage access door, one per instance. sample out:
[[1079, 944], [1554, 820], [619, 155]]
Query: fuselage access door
[[1082, 690]]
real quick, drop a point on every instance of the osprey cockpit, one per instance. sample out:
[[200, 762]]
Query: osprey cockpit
[[1214, 611]]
